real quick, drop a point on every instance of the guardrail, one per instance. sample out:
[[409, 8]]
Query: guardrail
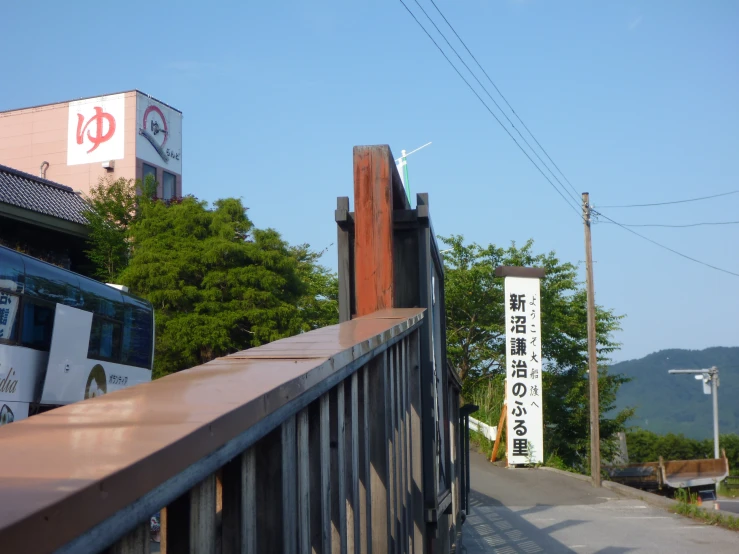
[[306, 443]]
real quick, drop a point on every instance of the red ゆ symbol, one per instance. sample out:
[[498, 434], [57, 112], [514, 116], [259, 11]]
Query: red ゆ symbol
[[100, 135]]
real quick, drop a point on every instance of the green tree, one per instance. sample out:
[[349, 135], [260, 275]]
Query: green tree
[[319, 306], [476, 340], [218, 285], [111, 209]]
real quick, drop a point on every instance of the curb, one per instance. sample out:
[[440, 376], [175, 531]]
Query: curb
[[648, 497], [567, 473]]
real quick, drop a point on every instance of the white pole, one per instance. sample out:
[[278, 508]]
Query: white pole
[[714, 391]]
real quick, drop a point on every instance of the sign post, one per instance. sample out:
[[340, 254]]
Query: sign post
[[524, 394]]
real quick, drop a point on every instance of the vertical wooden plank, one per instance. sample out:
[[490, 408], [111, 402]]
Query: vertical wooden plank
[[304, 531], [316, 476], [403, 447], [248, 501], [417, 466], [289, 486], [409, 445], [344, 246], [325, 432], [379, 501], [203, 517], [338, 469], [373, 228], [269, 493], [352, 467], [453, 468], [135, 542], [398, 453], [219, 511], [392, 441], [365, 495]]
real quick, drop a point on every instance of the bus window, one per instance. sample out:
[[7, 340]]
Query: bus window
[[9, 316], [38, 325], [101, 299], [105, 339], [137, 337], [51, 283], [11, 270]]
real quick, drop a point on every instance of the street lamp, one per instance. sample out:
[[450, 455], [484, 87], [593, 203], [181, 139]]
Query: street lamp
[[708, 376]]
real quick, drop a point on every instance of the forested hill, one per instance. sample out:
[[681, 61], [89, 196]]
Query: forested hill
[[675, 403]]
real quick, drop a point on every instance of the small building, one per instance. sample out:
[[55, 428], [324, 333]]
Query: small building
[[43, 219], [75, 143]]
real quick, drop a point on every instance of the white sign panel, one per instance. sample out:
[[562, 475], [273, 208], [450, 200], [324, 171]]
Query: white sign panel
[[70, 375], [95, 131], [158, 134], [525, 430]]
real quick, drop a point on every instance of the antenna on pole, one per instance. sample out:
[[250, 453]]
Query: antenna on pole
[[403, 168]]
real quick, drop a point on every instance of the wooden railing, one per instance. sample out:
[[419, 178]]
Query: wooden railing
[[346, 439], [306, 444]]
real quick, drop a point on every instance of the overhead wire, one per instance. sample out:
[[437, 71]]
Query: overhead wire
[[504, 98], [577, 211], [663, 246], [673, 201], [681, 226], [574, 198]]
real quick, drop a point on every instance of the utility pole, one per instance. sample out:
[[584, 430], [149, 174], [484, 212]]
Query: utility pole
[[592, 352]]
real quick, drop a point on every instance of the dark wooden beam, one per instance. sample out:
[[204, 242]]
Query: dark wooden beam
[[516, 271]]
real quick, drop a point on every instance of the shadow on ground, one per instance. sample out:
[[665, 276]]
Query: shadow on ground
[[493, 528]]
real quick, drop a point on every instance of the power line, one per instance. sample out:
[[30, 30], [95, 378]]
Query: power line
[[665, 247], [504, 99], [574, 198], [673, 202], [674, 226], [577, 211]]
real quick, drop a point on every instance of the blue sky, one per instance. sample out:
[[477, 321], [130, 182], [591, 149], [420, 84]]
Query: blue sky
[[635, 101]]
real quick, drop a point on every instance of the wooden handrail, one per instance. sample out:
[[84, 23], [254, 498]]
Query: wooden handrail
[[100, 467]]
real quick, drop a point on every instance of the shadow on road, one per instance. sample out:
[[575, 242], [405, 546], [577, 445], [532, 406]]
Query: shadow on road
[[491, 527]]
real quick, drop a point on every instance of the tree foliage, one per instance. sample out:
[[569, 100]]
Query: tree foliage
[[646, 446], [111, 209], [476, 341], [217, 284]]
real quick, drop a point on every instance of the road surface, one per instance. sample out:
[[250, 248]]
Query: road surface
[[534, 511]]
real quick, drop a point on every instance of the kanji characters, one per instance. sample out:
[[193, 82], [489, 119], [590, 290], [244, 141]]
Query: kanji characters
[[534, 390], [534, 358], [518, 324], [519, 369], [518, 302], [520, 447], [518, 347], [4, 313], [534, 373]]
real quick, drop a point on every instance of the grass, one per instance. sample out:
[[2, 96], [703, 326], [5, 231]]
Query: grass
[[688, 506]]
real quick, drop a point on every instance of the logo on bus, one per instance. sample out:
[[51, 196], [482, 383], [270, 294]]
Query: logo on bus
[[8, 385]]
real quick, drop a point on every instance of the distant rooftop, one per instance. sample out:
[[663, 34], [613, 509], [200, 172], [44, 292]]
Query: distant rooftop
[[87, 98], [40, 195]]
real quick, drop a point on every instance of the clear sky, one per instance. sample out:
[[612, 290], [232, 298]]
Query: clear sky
[[635, 101]]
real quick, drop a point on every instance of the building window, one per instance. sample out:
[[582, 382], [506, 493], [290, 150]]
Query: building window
[[149, 170], [168, 186]]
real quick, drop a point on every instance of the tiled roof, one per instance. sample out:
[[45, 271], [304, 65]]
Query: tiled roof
[[40, 195]]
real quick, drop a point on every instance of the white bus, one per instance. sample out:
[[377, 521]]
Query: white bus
[[64, 337]]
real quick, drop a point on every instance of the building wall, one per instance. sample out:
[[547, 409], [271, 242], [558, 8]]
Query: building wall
[[30, 136]]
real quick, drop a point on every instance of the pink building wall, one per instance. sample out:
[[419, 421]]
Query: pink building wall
[[30, 136]]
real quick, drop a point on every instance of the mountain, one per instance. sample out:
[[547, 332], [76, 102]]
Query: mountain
[[675, 403]]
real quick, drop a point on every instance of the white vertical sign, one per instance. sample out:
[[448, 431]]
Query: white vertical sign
[[525, 430]]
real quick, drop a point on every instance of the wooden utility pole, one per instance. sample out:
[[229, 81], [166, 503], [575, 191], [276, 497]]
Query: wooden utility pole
[[592, 352]]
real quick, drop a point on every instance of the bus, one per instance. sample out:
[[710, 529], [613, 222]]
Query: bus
[[65, 337]]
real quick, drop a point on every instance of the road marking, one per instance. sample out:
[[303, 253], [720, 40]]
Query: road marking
[[644, 517]]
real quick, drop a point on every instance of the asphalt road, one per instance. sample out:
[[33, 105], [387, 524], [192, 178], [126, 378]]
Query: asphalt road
[[727, 505], [533, 511]]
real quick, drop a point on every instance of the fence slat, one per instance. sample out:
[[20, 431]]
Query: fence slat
[[338, 470], [392, 441], [414, 366], [248, 502], [325, 475], [304, 536], [379, 501], [352, 441], [136, 542], [289, 486], [365, 493], [203, 517]]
